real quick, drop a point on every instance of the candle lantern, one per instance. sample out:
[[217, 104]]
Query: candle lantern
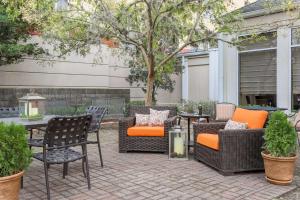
[[32, 107], [178, 146]]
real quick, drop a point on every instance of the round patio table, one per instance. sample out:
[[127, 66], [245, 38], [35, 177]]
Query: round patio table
[[190, 116], [28, 124]]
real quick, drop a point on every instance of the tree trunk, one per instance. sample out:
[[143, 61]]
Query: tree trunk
[[149, 92]]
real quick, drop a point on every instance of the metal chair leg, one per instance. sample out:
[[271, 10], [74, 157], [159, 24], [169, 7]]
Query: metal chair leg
[[83, 162], [65, 170], [47, 181], [87, 168], [31, 133], [99, 149]]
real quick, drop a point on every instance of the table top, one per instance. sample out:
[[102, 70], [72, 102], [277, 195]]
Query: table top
[[28, 124], [193, 115]]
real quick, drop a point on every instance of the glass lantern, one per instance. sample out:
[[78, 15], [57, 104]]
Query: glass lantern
[[32, 107], [178, 146]]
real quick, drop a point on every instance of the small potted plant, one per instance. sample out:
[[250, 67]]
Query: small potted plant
[[15, 157], [280, 149]]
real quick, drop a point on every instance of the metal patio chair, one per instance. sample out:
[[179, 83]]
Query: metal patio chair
[[62, 134], [97, 113]]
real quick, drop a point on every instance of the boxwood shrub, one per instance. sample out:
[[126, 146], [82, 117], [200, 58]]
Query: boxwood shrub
[[15, 154], [280, 136]]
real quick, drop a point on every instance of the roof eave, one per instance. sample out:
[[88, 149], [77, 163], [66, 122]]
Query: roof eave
[[258, 13]]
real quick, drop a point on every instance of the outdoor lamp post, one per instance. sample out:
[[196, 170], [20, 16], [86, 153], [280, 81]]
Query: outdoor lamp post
[[178, 144], [32, 107]]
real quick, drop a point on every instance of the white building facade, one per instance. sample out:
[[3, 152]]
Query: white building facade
[[265, 72]]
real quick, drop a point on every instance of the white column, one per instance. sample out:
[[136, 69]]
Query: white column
[[228, 71], [221, 71], [213, 75], [284, 68], [185, 79]]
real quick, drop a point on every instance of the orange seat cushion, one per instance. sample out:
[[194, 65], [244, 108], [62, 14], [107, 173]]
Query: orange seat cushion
[[153, 131], [254, 118], [209, 140]]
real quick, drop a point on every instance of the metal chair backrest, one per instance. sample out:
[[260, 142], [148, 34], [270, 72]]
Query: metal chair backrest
[[97, 112], [6, 112], [67, 131]]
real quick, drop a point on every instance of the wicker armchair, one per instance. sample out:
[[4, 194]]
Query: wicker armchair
[[239, 150], [150, 144]]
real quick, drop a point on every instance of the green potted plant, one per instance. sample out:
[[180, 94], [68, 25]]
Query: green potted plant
[[280, 149], [15, 157]]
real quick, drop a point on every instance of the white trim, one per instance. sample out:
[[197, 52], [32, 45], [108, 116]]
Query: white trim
[[256, 50], [257, 32], [295, 45], [185, 79], [290, 70], [213, 74], [238, 78], [221, 71]]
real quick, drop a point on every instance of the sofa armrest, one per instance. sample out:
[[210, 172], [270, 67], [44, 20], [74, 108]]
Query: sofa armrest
[[168, 124], [212, 128], [208, 127], [238, 139], [124, 124], [127, 122], [239, 147]]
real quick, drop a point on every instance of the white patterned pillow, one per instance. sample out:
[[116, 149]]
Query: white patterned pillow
[[157, 117], [141, 120], [235, 125]]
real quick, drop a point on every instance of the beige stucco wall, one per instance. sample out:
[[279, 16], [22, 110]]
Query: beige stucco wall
[[102, 69], [271, 22], [198, 78]]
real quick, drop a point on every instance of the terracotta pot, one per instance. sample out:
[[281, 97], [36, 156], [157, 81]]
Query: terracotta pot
[[279, 170], [10, 186]]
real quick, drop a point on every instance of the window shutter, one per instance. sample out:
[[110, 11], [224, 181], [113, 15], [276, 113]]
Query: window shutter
[[296, 70], [258, 72]]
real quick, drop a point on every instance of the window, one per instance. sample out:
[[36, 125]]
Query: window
[[257, 60]]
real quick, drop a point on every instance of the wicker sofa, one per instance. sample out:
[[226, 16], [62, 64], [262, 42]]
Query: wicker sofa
[[235, 150], [149, 144]]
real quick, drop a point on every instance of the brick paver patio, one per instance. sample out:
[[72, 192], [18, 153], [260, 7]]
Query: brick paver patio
[[137, 176]]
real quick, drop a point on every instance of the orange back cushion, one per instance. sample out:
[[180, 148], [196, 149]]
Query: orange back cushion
[[254, 118]]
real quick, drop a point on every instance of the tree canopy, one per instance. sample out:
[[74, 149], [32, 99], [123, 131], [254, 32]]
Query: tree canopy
[[152, 32], [14, 33]]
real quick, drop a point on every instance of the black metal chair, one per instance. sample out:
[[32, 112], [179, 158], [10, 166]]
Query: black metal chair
[[97, 113], [63, 133]]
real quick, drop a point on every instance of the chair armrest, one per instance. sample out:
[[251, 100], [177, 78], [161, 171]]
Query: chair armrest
[[212, 128], [127, 122], [241, 141], [208, 127], [124, 124], [168, 124]]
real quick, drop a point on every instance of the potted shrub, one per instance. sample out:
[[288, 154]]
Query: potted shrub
[[15, 156], [280, 149]]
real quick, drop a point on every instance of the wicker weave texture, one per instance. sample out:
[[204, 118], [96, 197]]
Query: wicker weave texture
[[150, 144], [239, 150]]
